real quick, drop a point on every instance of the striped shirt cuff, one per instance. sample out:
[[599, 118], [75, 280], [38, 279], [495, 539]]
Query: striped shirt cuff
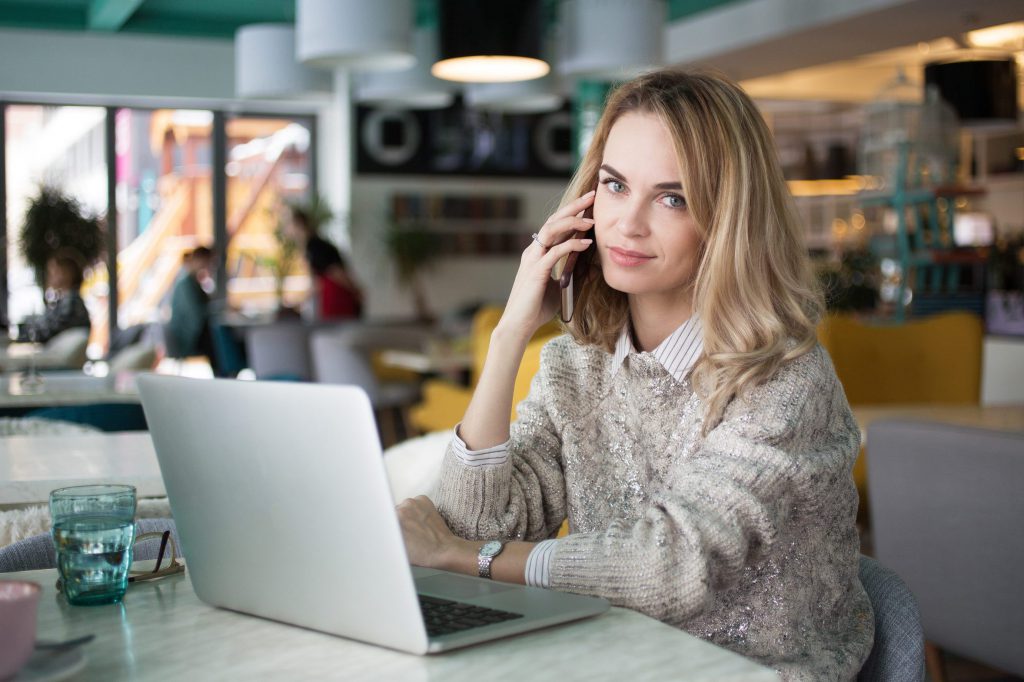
[[538, 564], [478, 458]]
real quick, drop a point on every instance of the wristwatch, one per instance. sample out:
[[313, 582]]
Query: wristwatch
[[486, 556]]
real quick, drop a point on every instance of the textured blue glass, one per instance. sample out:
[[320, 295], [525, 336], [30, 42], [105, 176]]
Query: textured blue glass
[[93, 533]]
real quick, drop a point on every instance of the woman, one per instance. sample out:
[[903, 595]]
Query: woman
[[65, 308], [337, 292], [189, 325], [690, 427]]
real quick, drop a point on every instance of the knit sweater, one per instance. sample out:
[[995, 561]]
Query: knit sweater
[[744, 537]]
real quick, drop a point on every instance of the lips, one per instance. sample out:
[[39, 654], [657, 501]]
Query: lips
[[627, 258]]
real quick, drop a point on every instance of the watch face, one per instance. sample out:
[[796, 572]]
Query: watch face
[[491, 548]]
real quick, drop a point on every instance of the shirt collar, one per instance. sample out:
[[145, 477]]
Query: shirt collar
[[677, 354]]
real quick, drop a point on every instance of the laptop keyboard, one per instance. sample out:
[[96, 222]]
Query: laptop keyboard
[[444, 617]]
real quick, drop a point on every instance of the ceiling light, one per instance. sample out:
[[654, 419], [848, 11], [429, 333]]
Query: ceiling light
[[364, 35], [523, 97], [483, 41], [265, 65], [612, 38], [1010, 36], [413, 88]]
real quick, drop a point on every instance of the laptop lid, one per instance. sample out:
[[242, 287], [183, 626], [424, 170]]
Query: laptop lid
[[282, 503]]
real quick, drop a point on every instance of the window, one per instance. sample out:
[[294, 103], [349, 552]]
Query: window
[[164, 204], [61, 147], [269, 165]]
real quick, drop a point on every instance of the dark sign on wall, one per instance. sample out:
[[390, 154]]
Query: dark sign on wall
[[463, 141]]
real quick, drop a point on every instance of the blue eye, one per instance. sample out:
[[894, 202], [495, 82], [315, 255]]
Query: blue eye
[[614, 186], [674, 201]]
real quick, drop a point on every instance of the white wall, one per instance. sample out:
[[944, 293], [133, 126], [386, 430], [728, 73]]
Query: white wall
[[79, 63], [455, 281], [1002, 371]]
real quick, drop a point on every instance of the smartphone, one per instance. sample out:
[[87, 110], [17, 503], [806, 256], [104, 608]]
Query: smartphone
[[572, 270]]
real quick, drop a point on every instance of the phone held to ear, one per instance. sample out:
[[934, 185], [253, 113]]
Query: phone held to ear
[[571, 271]]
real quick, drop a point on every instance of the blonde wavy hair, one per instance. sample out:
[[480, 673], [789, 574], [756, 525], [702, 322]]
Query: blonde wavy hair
[[754, 290]]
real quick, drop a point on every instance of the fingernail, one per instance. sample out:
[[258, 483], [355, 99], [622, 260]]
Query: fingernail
[[590, 193], [588, 220], [587, 242]]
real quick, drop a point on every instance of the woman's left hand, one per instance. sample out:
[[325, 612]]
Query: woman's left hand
[[428, 541]]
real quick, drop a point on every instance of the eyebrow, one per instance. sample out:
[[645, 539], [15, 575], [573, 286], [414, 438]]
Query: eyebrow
[[661, 185]]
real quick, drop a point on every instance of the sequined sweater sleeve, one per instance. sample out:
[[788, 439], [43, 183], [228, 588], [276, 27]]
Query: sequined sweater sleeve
[[515, 490]]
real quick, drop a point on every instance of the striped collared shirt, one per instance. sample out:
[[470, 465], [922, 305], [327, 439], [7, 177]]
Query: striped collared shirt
[[677, 354]]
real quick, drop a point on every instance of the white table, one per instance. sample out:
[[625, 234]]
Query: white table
[[427, 362], [163, 632], [67, 388], [32, 466]]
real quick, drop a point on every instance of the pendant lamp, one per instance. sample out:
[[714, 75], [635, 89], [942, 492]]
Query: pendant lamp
[[413, 88], [521, 97], [982, 91], [265, 66], [486, 41], [612, 38], [363, 35]]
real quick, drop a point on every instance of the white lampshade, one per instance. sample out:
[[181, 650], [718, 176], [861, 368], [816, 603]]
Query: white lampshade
[[413, 88], [364, 35], [265, 65], [521, 97], [612, 38]]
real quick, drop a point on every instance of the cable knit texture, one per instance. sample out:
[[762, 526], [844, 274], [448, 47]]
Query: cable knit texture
[[745, 538]]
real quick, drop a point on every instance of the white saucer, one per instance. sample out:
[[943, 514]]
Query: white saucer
[[51, 666]]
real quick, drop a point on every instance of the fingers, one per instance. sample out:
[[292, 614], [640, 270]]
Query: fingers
[[563, 222], [555, 232], [559, 251]]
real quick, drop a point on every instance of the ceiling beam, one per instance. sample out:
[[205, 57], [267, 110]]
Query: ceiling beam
[[111, 15]]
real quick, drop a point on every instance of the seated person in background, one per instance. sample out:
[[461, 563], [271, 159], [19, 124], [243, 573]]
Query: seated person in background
[[689, 426], [189, 326], [65, 308], [337, 292]]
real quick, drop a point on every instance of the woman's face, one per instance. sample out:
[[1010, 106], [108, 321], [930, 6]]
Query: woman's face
[[57, 276], [646, 237]]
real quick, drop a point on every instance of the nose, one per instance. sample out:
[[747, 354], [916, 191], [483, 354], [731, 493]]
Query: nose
[[632, 221]]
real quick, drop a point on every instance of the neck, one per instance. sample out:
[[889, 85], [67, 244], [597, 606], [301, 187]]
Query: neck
[[655, 316]]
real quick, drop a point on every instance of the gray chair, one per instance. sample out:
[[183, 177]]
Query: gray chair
[[279, 351], [36, 553], [342, 357], [947, 507], [898, 651]]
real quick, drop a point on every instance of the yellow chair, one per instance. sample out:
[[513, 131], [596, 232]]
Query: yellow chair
[[444, 403], [934, 360]]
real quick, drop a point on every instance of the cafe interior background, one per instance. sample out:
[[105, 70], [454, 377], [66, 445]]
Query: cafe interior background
[[178, 123]]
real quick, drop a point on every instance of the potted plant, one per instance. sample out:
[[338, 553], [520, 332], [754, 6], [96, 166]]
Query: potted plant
[[413, 248], [1004, 304], [851, 284], [56, 222]]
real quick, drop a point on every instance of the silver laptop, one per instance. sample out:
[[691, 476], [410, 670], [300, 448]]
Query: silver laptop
[[282, 503]]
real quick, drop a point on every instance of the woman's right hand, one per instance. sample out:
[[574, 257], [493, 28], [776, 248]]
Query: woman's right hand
[[535, 297]]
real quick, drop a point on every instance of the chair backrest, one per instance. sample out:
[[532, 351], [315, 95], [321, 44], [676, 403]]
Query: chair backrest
[[337, 360], [36, 553], [898, 651], [946, 513], [67, 349], [932, 360], [137, 356], [279, 350]]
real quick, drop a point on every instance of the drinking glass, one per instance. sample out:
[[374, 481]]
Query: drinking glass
[[93, 533]]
